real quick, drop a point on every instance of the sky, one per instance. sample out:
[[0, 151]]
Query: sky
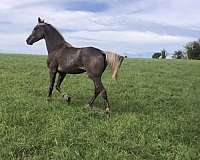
[[136, 28]]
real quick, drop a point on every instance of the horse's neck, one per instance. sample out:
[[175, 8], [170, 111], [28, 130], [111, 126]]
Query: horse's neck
[[52, 44], [54, 40]]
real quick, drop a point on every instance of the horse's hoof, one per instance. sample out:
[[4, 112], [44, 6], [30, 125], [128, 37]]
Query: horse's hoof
[[69, 100], [48, 99], [108, 111], [66, 98], [87, 106]]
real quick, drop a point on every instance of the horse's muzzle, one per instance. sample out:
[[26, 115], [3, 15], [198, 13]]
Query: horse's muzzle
[[29, 41]]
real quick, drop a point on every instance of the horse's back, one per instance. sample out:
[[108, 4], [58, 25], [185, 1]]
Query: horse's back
[[92, 51]]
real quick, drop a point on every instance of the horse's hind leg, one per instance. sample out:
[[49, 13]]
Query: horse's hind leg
[[103, 94], [99, 89], [61, 77], [96, 91]]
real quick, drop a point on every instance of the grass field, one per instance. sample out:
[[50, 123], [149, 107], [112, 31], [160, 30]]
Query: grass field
[[155, 112]]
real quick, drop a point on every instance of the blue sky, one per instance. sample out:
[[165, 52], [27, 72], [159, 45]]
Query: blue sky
[[134, 27]]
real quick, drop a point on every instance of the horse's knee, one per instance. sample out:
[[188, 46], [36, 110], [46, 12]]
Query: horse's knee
[[97, 91], [103, 93]]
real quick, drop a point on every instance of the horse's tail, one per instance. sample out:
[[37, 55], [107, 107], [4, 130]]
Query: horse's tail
[[114, 60]]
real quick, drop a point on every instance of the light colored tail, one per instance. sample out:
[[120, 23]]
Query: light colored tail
[[114, 60]]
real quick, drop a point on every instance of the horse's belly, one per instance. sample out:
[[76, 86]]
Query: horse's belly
[[70, 70], [76, 71], [70, 67]]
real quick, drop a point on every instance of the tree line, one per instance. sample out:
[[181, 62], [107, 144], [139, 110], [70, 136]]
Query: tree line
[[191, 51]]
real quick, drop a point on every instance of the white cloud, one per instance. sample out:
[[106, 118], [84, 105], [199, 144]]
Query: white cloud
[[11, 4], [130, 36], [15, 43], [126, 41], [138, 25], [183, 13]]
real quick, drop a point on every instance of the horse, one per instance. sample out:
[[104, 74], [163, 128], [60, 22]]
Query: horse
[[64, 59]]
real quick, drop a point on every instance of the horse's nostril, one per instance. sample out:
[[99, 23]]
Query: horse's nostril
[[28, 41]]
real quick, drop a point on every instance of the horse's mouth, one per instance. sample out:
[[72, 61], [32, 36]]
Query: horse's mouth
[[28, 42]]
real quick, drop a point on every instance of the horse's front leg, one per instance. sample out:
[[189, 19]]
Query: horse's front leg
[[61, 77], [52, 74]]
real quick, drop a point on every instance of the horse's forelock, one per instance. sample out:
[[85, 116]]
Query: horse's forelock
[[41, 24]]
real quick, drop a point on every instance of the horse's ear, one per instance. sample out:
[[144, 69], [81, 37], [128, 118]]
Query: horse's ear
[[40, 20]]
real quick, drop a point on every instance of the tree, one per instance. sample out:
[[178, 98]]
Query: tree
[[193, 49], [179, 54]]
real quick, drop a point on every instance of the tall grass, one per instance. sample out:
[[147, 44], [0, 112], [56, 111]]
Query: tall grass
[[155, 112]]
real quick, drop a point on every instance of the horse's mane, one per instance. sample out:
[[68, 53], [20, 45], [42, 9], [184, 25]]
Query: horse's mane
[[61, 36]]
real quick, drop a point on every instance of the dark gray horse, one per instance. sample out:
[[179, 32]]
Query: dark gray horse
[[64, 59]]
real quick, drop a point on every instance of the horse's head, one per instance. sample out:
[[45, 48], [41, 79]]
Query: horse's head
[[37, 33]]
